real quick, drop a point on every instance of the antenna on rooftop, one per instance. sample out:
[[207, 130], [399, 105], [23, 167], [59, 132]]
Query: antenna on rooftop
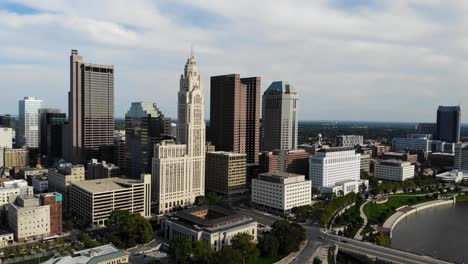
[[192, 50]]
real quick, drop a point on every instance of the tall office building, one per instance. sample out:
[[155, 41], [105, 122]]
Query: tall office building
[[27, 130], [461, 157], [179, 169], [5, 120], [51, 122], [235, 115], [448, 124], [145, 126], [90, 108], [279, 117]]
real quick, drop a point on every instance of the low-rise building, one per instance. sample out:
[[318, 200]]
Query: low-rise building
[[60, 179], [14, 158], [345, 187], [279, 192], [348, 140], [12, 188], [412, 142], [394, 170], [92, 201], [28, 219], [366, 162], [6, 137], [100, 170], [211, 223], [453, 176], [40, 184], [6, 239], [107, 254], [293, 160], [28, 172], [412, 158]]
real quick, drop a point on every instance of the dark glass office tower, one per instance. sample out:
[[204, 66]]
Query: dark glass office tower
[[51, 122], [145, 126], [448, 123], [90, 108]]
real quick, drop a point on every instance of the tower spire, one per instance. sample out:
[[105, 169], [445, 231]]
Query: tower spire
[[192, 52]]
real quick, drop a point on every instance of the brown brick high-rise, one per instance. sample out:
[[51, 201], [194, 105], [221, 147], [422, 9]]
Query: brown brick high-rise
[[54, 200], [235, 115]]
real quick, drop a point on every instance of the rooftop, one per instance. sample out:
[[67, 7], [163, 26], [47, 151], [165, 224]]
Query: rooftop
[[394, 162], [105, 185], [226, 153], [209, 217], [90, 256], [335, 149], [279, 87]]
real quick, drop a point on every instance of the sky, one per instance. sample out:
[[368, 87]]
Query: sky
[[369, 60]]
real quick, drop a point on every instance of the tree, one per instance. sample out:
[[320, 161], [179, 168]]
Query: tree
[[317, 260], [143, 229], [181, 248], [202, 252], [212, 198], [268, 246], [201, 200], [289, 235], [228, 255], [242, 242], [382, 239]]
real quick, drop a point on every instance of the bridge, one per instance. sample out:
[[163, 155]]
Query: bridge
[[383, 253]]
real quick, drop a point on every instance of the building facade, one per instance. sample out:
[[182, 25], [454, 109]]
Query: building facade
[[51, 122], [294, 161], [6, 137], [279, 192], [333, 165], [13, 188], [226, 173], [179, 169], [448, 123], [90, 108], [15, 157], [60, 179], [93, 201], [412, 142], [100, 170], [348, 140], [279, 117], [145, 126], [461, 157], [28, 219], [27, 129], [213, 224], [394, 170], [235, 115], [5, 120]]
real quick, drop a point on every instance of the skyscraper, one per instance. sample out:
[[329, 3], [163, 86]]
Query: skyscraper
[[179, 169], [51, 122], [145, 126], [279, 117], [448, 123], [90, 108], [235, 115], [27, 132]]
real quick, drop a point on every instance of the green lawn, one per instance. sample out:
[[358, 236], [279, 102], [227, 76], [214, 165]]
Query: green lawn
[[378, 213], [271, 260], [33, 261], [462, 198]]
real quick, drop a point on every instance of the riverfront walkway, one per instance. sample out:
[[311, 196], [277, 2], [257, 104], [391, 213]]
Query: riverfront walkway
[[403, 212], [358, 235]]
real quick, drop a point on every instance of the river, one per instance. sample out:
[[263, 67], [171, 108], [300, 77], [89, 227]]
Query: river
[[440, 231]]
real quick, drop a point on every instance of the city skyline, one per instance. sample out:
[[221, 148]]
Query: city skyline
[[353, 56]]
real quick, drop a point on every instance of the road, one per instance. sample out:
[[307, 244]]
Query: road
[[381, 252], [313, 234]]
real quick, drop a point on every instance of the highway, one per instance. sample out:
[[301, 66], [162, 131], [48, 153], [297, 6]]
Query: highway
[[381, 252]]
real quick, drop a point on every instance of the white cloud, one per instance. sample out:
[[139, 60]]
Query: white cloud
[[366, 63]]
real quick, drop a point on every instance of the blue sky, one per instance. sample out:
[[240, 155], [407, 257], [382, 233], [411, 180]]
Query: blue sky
[[382, 60]]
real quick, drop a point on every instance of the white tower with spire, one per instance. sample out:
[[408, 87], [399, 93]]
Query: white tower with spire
[[191, 123], [179, 169]]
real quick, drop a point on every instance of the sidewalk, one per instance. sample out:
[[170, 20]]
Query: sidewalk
[[363, 216], [293, 255]]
